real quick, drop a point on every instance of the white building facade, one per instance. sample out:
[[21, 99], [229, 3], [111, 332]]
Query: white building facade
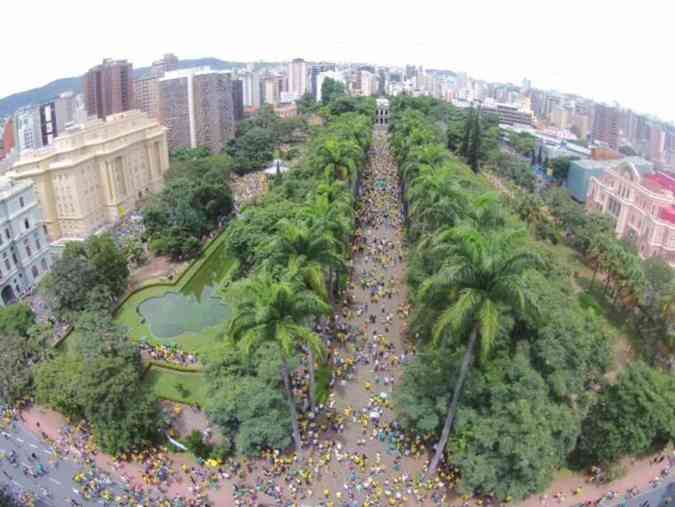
[[24, 250]]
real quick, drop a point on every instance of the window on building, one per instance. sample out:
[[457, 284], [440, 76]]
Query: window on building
[[26, 223], [16, 261], [21, 203], [35, 271], [7, 234], [29, 252], [614, 207], [38, 246], [43, 263]]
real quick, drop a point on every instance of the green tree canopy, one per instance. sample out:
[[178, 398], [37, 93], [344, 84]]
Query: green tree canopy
[[16, 320], [331, 89], [630, 417]]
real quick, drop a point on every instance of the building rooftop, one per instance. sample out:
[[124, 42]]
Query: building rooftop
[[644, 167], [662, 180], [192, 71], [92, 132]]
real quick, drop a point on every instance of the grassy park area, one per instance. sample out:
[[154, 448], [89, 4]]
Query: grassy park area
[[182, 387]]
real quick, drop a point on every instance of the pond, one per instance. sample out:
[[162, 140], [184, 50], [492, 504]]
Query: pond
[[195, 307]]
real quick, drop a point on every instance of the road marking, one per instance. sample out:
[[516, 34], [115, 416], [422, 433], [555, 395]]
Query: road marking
[[54, 481], [19, 440], [33, 446], [16, 482]]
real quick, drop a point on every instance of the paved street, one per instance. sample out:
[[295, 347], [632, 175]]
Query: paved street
[[57, 481]]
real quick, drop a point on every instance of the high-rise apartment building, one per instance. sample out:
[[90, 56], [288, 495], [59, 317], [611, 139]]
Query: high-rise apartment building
[[200, 107], [48, 128], [166, 64], [297, 77], [27, 125], [657, 143], [95, 173], [606, 125], [146, 94], [271, 91], [24, 249], [70, 109], [37, 126], [108, 88], [146, 88], [250, 89]]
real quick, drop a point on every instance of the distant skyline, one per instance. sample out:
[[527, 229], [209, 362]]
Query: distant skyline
[[602, 50]]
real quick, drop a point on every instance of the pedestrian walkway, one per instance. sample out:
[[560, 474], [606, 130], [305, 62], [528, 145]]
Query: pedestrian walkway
[[355, 453]]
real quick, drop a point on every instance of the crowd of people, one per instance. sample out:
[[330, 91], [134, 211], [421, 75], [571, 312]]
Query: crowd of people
[[168, 354], [355, 452], [247, 187]]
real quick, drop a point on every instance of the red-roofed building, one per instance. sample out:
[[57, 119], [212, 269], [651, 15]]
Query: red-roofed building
[[643, 205]]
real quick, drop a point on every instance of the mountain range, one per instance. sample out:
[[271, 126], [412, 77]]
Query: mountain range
[[52, 90]]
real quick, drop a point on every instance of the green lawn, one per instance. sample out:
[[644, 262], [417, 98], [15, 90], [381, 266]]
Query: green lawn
[[189, 388]]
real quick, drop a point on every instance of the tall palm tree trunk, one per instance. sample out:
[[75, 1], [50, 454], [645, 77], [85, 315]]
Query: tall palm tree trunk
[[452, 408], [291, 403], [312, 380]]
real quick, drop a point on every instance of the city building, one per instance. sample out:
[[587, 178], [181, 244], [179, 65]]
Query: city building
[[657, 143], [37, 126], [508, 114], [297, 77], [96, 172], [580, 124], [108, 88], [560, 117], [250, 89], [582, 171], [146, 94], [365, 84], [606, 125], [200, 107], [271, 92], [69, 109], [24, 249], [643, 204], [146, 88], [27, 125], [382, 112], [167, 63]]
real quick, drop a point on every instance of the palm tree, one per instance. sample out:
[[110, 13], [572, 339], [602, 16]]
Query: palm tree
[[332, 214], [482, 280], [338, 158], [437, 198], [265, 310], [309, 253], [315, 250]]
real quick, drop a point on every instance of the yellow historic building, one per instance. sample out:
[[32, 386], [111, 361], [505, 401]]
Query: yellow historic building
[[96, 172]]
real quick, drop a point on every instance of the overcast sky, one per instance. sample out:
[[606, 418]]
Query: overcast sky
[[608, 50]]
